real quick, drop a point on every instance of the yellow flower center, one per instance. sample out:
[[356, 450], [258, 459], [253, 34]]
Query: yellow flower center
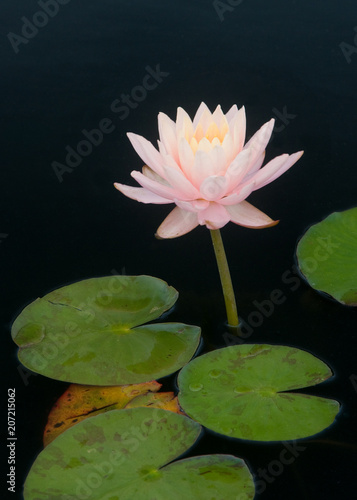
[[213, 135]]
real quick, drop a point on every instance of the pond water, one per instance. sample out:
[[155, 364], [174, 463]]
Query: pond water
[[113, 66]]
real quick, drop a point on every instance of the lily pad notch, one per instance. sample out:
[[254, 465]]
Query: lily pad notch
[[94, 332], [126, 454], [244, 392]]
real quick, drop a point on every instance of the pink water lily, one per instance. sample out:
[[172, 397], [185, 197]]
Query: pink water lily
[[204, 167]]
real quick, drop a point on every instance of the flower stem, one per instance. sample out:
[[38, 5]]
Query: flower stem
[[228, 292]]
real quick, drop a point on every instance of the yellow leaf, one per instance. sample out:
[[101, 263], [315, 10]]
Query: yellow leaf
[[83, 401]]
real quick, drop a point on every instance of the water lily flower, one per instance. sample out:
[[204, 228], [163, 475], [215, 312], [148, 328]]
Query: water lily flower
[[204, 167]]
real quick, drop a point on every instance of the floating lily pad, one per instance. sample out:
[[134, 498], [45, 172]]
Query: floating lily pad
[[123, 454], [327, 256], [238, 391], [85, 401], [89, 333]]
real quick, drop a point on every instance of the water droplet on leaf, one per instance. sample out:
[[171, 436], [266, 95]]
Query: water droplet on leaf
[[195, 387]]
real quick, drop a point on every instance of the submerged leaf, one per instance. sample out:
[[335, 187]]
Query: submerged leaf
[[238, 391], [128, 454], [89, 332], [82, 401], [327, 256]]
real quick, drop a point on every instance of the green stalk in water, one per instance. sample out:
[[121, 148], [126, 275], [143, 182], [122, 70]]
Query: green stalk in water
[[227, 287]]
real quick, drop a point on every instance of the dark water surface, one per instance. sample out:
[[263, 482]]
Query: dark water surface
[[293, 60]]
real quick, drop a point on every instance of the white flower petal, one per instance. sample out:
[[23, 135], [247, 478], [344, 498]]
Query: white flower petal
[[238, 169], [238, 131], [260, 139], [183, 188], [205, 120], [169, 161], [177, 223], [269, 170], [186, 156], [140, 194], [184, 127], [219, 160], [204, 145], [255, 166], [167, 132], [147, 152], [219, 118], [273, 170], [192, 206], [228, 147], [245, 214], [203, 167], [148, 172], [153, 186], [201, 109], [214, 187], [231, 113], [162, 148], [239, 195], [214, 216]]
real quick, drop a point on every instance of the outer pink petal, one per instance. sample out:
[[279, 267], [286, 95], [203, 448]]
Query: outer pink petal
[[256, 165], [167, 131], [272, 171], [245, 214], [184, 189], [147, 152], [238, 169], [170, 162], [238, 130], [268, 170], [177, 223], [153, 186], [260, 139], [239, 195], [148, 172], [192, 206], [214, 217], [140, 194]]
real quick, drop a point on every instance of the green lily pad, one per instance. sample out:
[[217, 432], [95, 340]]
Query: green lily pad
[[238, 391], [123, 454], [327, 256], [89, 333]]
